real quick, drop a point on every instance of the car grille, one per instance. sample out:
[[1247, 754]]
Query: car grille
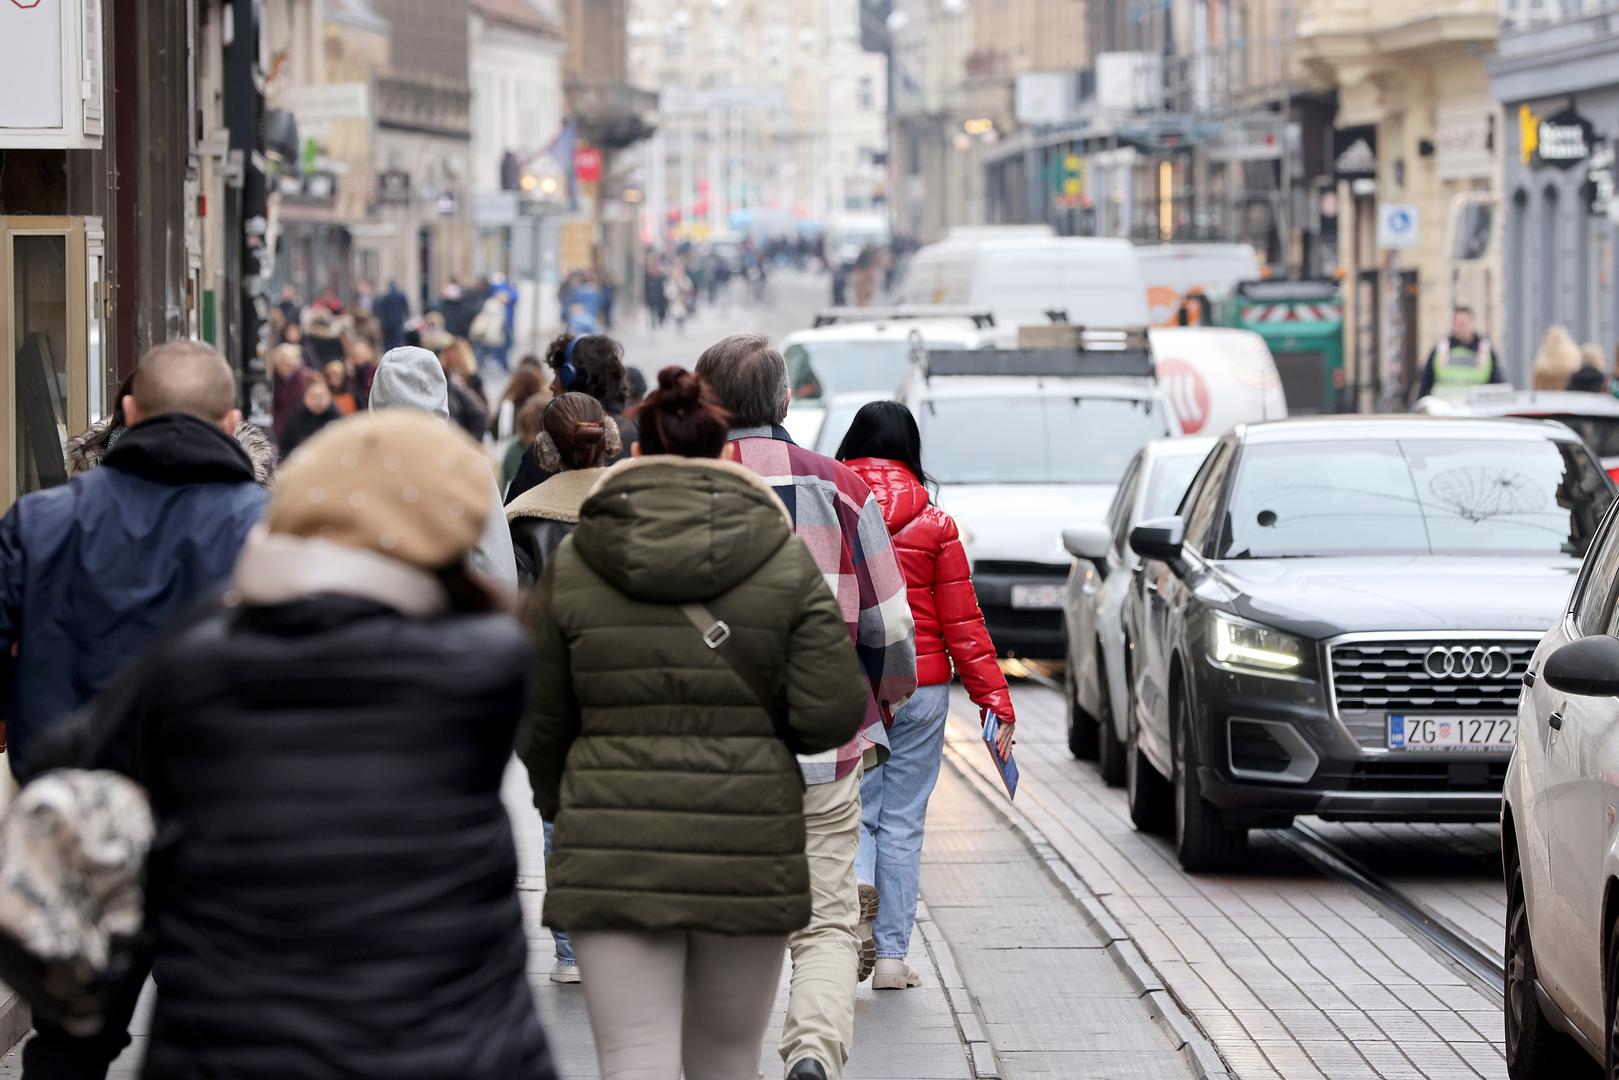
[[1371, 679], [1423, 774]]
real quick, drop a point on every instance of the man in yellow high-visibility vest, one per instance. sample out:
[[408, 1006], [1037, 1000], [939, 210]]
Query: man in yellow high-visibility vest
[[1461, 361]]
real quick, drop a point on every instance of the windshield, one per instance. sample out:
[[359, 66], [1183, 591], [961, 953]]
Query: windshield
[[823, 369], [1600, 433], [1170, 479], [1414, 497], [1036, 440]]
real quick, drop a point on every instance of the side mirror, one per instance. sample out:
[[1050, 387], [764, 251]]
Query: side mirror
[[1160, 540], [1588, 667], [1089, 542]]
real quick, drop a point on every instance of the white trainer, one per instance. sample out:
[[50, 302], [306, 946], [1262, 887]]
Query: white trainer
[[566, 972], [894, 975]]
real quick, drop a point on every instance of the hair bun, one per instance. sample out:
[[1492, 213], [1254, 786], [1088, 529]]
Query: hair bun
[[679, 389]]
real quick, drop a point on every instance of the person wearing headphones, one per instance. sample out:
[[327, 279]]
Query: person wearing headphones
[[590, 364]]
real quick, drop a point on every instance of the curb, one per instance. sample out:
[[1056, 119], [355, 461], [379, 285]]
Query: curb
[[1194, 1046], [969, 1025]]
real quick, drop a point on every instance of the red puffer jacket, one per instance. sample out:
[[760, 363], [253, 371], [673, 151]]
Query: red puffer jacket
[[949, 626]]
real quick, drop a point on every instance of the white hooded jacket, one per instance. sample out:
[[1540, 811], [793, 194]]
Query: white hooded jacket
[[412, 378]]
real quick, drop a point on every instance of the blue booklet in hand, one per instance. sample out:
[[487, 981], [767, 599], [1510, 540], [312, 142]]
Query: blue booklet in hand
[[1005, 765]]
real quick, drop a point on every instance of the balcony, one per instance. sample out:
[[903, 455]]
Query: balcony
[[611, 115], [1338, 31]]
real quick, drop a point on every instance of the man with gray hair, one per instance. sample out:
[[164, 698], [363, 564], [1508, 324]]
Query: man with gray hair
[[838, 518], [92, 571]]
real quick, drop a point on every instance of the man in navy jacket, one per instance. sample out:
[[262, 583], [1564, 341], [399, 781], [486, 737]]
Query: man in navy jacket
[[92, 571]]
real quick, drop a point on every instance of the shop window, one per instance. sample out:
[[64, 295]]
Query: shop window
[[54, 362]]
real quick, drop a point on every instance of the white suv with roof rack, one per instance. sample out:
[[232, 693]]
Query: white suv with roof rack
[[1025, 442]]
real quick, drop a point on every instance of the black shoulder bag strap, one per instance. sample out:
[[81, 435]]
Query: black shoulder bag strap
[[716, 635]]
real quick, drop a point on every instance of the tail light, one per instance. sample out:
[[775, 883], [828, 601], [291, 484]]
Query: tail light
[[1613, 474]]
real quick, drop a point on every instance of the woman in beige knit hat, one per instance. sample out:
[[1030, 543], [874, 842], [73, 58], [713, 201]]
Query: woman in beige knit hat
[[327, 748]]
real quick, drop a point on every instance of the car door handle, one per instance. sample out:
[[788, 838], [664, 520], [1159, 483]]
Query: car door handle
[[1555, 721], [1529, 677]]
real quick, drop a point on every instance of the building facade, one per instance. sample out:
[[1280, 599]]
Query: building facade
[[769, 112], [1558, 82], [424, 148], [518, 51], [1413, 148]]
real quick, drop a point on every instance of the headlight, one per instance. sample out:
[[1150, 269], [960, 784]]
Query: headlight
[[1255, 648]]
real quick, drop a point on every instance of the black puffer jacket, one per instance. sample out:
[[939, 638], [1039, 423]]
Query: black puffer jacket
[[337, 894]]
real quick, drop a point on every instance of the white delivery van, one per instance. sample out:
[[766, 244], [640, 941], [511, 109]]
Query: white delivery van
[[1093, 282], [1173, 271], [1216, 379]]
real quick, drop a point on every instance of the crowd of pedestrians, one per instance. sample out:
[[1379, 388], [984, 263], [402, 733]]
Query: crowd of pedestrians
[[308, 647]]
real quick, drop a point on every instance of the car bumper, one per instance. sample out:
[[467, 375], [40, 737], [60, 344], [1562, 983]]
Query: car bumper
[[1271, 749], [1035, 633]]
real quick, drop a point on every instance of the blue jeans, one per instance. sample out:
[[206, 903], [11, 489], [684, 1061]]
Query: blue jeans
[[893, 813], [564, 946]]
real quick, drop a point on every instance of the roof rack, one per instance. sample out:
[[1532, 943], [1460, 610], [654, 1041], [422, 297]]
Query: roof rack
[[1058, 351], [843, 316]]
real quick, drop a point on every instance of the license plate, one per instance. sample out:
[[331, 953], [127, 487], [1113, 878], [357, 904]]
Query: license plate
[[1480, 733], [1038, 596]]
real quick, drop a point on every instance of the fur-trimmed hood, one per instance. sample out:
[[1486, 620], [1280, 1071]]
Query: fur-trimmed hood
[[557, 499], [86, 449], [675, 530]]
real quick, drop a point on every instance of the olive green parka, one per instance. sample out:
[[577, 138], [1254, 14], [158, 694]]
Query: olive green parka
[[677, 800]]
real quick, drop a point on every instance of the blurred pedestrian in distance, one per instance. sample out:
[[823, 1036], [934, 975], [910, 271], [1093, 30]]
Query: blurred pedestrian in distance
[[826, 499], [287, 385], [594, 365], [393, 311], [884, 448], [1556, 361], [529, 360], [1591, 378], [363, 369], [340, 384], [637, 384], [365, 330], [323, 331], [314, 412], [325, 750], [524, 384], [291, 310], [489, 331], [683, 633], [469, 410], [575, 442], [1460, 361], [413, 378], [657, 294], [364, 296], [92, 571], [528, 430]]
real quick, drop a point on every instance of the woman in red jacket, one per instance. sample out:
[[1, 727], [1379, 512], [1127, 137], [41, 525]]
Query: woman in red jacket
[[884, 448]]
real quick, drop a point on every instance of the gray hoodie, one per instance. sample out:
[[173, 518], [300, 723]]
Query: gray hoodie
[[411, 378]]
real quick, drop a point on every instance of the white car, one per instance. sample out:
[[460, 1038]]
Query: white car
[[858, 358], [1593, 417], [1098, 679], [1019, 458], [1559, 837]]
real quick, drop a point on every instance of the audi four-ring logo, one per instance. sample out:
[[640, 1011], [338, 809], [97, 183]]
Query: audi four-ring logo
[[1467, 662]]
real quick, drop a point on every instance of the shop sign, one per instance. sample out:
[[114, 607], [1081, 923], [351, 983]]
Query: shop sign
[[1563, 140], [393, 188], [1464, 138], [587, 165], [1599, 179], [1354, 152]]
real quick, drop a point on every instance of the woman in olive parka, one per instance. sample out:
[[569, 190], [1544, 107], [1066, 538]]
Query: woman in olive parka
[[688, 649]]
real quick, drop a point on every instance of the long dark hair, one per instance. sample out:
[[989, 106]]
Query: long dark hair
[[885, 429]]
